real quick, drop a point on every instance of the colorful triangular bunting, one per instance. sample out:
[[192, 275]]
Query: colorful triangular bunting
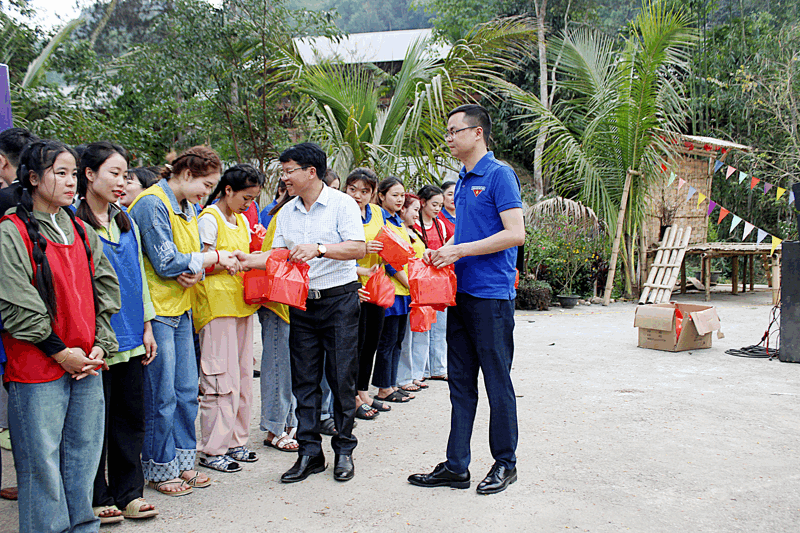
[[761, 235], [779, 193], [671, 178], [692, 190], [718, 165], [681, 183], [791, 197], [730, 171], [742, 176], [722, 214], [748, 227], [753, 182], [700, 199], [711, 205], [767, 187], [775, 243], [735, 222]]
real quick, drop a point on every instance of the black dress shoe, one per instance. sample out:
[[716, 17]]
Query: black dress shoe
[[256, 373], [304, 467], [497, 480], [343, 468], [441, 477]]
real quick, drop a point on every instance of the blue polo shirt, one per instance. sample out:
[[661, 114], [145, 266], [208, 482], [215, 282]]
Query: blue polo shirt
[[480, 196], [264, 218]]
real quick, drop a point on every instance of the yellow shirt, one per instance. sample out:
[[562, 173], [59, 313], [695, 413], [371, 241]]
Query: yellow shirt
[[221, 294], [371, 230], [169, 298], [282, 310]]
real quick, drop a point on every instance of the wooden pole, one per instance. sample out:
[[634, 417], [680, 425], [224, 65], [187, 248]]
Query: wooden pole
[[612, 267]]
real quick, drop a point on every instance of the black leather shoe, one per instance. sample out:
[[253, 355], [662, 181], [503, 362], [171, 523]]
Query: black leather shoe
[[304, 467], [497, 480], [441, 477], [343, 468]]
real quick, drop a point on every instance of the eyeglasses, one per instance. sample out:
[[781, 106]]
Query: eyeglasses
[[451, 134], [288, 173]]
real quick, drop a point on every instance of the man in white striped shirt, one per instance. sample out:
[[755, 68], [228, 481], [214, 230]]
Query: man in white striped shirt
[[322, 226]]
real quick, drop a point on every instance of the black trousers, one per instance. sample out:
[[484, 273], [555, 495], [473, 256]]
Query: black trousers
[[370, 325], [325, 335], [124, 435]]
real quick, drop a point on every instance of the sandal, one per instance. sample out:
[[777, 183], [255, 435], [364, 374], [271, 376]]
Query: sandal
[[365, 412], [395, 397], [282, 442], [159, 486], [439, 378], [241, 453], [405, 393], [110, 519], [420, 384], [380, 407], [194, 481], [134, 509], [221, 463], [410, 387]]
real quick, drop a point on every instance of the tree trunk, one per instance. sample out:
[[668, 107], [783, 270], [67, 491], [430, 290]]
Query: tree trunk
[[102, 24], [612, 266], [538, 175]]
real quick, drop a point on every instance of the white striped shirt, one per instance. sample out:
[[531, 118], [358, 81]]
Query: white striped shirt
[[333, 218]]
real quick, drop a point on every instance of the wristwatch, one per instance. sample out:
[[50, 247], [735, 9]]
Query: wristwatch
[[321, 250]]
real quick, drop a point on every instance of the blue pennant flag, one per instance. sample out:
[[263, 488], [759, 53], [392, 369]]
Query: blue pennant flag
[[718, 165]]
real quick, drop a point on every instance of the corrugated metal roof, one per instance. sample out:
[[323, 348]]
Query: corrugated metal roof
[[373, 47]]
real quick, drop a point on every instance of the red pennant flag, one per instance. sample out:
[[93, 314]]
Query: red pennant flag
[[730, 171], [722, 214], [753, 182], [724, 150]]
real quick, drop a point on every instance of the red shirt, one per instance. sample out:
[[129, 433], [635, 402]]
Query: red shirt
[[435, 239], [449, 223]]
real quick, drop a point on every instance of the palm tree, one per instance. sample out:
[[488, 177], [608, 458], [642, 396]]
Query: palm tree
[[342, 110], [609, 140]]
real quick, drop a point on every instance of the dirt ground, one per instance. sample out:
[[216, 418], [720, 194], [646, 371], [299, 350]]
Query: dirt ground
[[612, 438]]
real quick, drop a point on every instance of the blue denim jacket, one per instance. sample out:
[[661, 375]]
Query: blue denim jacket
[[152, 217]]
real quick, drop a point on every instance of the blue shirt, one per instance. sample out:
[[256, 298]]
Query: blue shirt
[[264, 217], [480, 196]]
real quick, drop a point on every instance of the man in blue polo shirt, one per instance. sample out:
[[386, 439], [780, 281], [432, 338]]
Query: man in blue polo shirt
[[480, 329]]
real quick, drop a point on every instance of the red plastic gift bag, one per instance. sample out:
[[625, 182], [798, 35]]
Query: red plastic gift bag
[[422, 318], [380, 289], [396, 250], [288, 283], [431, 286], [257, 238], [516, 280], [256, 287]]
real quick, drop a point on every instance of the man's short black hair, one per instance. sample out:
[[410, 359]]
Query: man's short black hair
[[475, 115], [306, 155], [12, 141]]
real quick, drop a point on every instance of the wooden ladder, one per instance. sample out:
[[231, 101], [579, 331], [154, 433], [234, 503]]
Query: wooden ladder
[[664, 271]]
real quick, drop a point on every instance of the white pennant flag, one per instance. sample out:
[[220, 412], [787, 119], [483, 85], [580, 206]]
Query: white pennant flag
[[735, 222], [748, 227], [761, 235]]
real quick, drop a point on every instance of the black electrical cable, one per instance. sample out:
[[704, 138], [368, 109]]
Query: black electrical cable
[[757, 351]]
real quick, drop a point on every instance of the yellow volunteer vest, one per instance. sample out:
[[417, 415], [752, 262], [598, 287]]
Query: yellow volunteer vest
[[371, 230], [399, 288], [418, 245], [282, 310], [221, 294], [169, 298]]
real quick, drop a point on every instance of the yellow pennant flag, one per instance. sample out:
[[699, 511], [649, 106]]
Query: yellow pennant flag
[[775, 243], [780, 192], [700, 199]]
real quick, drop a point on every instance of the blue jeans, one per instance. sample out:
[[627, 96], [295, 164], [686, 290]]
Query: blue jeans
[[56, 436], [437, 358], [170, 400], [277, 401], [413, 356], [388, 355], [480, 337]]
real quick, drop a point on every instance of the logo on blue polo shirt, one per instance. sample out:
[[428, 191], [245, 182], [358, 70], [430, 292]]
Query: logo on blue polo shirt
[[477, 189]]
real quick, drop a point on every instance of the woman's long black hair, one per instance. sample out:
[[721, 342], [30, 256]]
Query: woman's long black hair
[[37, 157], [239, 177], [425, 194], [93, 156]]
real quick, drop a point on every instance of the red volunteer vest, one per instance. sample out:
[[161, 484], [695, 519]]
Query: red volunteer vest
[[75, 315]]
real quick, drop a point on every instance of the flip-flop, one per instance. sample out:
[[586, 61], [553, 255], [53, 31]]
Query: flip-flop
[[421, 385], [411, 387], [108, 519], [134, 510], [439, 378], [159, 486], [378, 406], [405, 393], [394, 397], [363, 412]]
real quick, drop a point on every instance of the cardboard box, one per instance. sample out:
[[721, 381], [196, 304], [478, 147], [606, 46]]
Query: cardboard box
[[658, 326]]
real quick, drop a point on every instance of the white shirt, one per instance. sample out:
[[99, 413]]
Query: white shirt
[[333, 218], [207, 226]]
